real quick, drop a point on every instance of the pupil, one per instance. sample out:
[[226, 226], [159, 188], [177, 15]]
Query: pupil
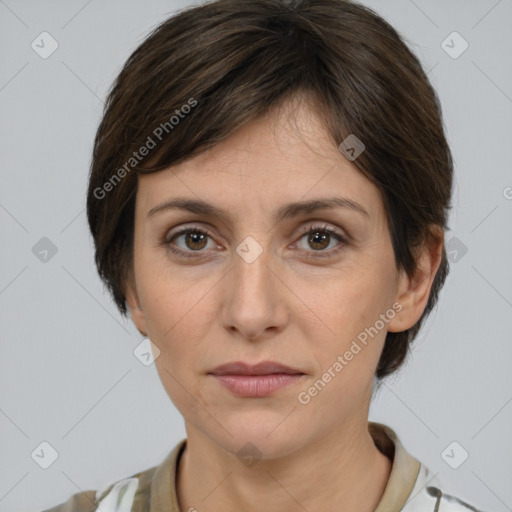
[[196, 238], [316, 238]]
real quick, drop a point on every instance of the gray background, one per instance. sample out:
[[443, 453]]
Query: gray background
[[68, 374]]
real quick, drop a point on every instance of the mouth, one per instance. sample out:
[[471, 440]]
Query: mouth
[[260, 380]]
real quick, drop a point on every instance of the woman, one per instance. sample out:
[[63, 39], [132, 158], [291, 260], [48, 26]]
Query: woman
[[268, 197]]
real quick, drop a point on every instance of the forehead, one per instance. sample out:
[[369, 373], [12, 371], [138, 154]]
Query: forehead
[[283, 157]]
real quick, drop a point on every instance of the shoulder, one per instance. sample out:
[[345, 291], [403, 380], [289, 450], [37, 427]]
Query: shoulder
[[429, 495], [131, 494]]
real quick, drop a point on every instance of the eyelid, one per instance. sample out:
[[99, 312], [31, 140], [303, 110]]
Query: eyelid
[[183, 229], [323, 226]]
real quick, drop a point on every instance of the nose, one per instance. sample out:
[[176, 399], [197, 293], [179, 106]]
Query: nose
[[254, 304]]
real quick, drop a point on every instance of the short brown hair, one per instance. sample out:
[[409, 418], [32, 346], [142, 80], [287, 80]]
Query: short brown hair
[[237, 59]]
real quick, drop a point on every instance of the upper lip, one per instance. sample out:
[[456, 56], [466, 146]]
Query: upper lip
[[263, 368]]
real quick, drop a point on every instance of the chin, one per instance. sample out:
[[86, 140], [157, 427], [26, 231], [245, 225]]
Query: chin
[[261, 435]]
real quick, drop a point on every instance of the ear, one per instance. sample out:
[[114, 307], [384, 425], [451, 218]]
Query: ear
[[413, 291], [133, 303]]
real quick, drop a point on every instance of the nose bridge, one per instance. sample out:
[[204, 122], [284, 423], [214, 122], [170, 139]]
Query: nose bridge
[[253, 276], [251, 307]]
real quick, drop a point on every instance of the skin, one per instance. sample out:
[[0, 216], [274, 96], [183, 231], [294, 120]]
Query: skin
[[286, 306]]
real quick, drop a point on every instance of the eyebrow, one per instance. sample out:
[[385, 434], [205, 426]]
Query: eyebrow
[[286, 211]]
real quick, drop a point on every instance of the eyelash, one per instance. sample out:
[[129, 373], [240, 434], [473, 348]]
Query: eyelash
[[167, 240]]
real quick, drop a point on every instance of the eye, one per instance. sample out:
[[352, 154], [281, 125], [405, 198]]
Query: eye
[[193, 239], [319, 238]]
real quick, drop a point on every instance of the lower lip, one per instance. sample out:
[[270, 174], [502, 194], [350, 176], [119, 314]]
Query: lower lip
[[257, 385]]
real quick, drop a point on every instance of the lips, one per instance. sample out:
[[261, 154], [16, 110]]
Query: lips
[[261, 380], [263, 368]]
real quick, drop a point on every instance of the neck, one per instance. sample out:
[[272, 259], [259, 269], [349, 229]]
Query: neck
[[343, 471]]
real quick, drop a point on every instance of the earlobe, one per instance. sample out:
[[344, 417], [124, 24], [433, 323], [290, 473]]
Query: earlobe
[[133, 304], [413, 291]]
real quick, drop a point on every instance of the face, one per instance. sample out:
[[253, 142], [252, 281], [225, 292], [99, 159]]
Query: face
[[247, 284]]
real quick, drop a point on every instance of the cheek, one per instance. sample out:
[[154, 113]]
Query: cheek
[[348, 352], [179, 312], [347, 306], [172, 295], [349, 300]]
